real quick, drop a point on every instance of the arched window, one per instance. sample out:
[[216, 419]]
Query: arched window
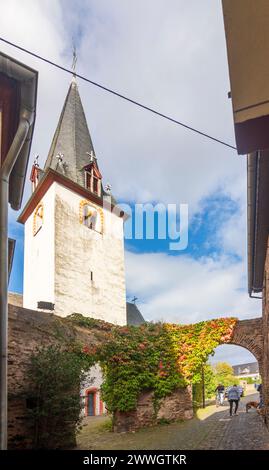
[[38, 218], [91, 216]]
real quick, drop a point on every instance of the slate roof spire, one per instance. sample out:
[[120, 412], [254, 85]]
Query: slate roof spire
[[72, 143]]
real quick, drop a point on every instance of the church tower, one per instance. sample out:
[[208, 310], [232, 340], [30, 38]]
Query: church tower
[[73, 248]]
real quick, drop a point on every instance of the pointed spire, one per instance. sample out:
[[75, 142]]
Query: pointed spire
[[72, 144]]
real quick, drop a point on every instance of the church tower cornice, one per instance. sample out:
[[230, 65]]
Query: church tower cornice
[[52, 176]]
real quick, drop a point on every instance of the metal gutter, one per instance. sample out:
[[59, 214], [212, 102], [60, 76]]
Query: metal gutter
[[12, 179], [251, 215], [27, 79], [250, 179], [11, 250]]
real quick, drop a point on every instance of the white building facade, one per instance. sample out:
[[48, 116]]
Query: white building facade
[[76, 268]]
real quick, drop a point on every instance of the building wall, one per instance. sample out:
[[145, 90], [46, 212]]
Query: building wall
[[247, 36], [39, 263], [80, 251], [265, 374], [28, 329], [93, 383], [74, 267]]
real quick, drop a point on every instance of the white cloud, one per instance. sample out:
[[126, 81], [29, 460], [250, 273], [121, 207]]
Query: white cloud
[[39, 27], [184, 290], [172, 58], [232, 354], [180, 289]]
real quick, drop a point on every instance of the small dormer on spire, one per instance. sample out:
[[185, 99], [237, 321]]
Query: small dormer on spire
[[93, 177]]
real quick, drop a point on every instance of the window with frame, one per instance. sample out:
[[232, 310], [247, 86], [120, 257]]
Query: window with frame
[[91, 216], [93, 179]]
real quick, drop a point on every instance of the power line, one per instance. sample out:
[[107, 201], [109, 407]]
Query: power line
[[119, 95]]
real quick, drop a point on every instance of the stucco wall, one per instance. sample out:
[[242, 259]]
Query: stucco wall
[[39, 256], [80, 251], [72, 266]]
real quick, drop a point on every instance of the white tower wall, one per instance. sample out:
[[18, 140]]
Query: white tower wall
[[73, 266], [39, 256]]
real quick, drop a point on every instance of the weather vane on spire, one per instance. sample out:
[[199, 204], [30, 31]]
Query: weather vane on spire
[[75, 58]]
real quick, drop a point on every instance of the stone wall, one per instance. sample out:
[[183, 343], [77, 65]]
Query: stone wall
[[15, 299], [249, 335], [28, 330], [265, 319], [176, 406]]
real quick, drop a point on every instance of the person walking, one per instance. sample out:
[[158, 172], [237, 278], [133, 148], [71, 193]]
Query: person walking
[[259, 389], [220, 394], [233, 398]]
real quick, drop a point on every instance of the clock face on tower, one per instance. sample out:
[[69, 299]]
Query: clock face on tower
[[91, 216], [38, 218]]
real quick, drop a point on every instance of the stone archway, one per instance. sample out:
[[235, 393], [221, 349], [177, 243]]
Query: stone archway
[[248, 334]]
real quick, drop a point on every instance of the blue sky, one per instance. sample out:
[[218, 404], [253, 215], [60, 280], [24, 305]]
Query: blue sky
[[172, 58], [215, 211]]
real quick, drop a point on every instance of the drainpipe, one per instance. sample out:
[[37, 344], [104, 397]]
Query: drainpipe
[[26, 119]]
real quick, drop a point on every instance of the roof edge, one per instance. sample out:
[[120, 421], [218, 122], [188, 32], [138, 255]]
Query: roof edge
[[50, 176]]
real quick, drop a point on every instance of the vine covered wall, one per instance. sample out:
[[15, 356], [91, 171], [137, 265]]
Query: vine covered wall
[[160, 357], [148, 361]]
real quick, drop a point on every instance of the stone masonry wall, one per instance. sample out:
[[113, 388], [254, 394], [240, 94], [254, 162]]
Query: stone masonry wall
[[176, 406], [249, 335], [28, 330]]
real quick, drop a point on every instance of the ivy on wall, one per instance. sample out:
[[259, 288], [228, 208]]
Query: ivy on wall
[[159, 357]]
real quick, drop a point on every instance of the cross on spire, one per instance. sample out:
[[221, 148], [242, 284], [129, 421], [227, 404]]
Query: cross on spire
[[91, 156], [75, 58]]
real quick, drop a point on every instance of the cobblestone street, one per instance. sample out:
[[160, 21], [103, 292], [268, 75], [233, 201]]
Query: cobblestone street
[[211, 429]]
